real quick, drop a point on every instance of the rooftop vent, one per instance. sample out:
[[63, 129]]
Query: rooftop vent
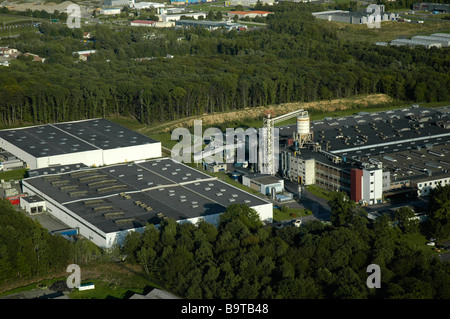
[[112, 215], [78, 193], [123, 221]]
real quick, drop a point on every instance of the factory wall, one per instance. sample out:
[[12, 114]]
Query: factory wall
[[117, 238], [300, 170], [131, 153], [424, 187], [90, 158], [356, 184], [372, 186], [265, 212], [29, 159]]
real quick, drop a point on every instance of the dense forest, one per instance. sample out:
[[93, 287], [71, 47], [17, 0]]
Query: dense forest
[[27, 250], [242, 258], [294, 58]]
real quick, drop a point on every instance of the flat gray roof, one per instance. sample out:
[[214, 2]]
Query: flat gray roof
[[380, 132], [72, 137], [408, 142], [32, 199], [116, 197], [56, 169], [264, 178]]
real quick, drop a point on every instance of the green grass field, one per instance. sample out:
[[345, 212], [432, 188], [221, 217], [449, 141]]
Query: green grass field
[[318, 191], [13, 174], [289, 213], [11, 19], [388, 31]]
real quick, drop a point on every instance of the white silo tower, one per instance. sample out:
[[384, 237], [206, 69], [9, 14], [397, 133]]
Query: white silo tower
[[303, 133], [303, 123]]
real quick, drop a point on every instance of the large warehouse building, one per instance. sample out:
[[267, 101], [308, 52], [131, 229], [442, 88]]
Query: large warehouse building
[[105, 203], [94, 142]]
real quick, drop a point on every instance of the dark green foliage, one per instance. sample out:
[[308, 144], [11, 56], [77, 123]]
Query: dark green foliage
[[27, 250], [235, 261], [439, 211], [293, 59], [405, 219], [241, 212]]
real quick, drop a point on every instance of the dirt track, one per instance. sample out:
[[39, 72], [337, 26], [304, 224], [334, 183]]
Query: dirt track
[[253, 113], [50, 7]]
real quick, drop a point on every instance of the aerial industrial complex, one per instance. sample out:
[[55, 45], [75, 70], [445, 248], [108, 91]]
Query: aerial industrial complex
[[372, 156], [104, 180]]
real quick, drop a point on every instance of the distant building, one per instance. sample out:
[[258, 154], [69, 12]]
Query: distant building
[[87, 35], [146, 5], [36, 58], [249, 14], [416, 42], [248, 3], [155, 24], [110, 11], [210, 25], [182, 2], [356, 17], [444, 41], [4, 51], [426, 6], [84, 55], [176, 17], [117, 3]]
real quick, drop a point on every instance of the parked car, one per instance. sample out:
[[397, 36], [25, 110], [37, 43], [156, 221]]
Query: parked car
[[431, 243]]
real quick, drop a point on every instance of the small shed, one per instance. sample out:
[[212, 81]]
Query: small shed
[[33, 204], [263, 183]]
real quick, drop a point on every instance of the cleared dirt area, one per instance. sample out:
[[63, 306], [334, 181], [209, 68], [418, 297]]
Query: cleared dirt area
[[257, 112], [50, 7]]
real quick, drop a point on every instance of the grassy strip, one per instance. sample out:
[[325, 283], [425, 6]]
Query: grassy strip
[[280, 214], [15, 174], [318, 191]]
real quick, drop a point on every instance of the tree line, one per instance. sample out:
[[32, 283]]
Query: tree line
[[242, 259], [27, 250], [293, 59]]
